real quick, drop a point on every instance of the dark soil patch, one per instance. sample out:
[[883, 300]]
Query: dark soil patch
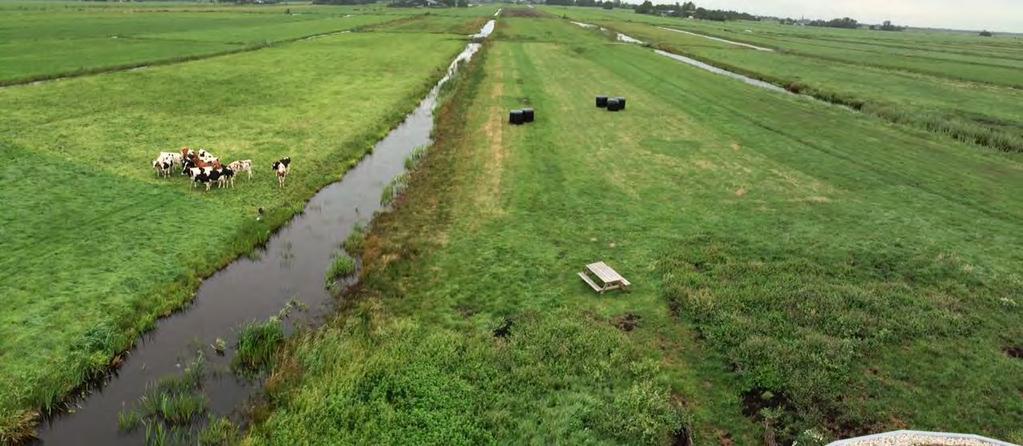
[[682, 437], [725, 439], [504, 330], [521, 12], [627, 321], [753, 401], [1014, 352]]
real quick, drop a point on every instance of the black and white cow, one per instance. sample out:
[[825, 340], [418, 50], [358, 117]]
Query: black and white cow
[[207, 157], [281, 168], [226, 177], [162, 167]]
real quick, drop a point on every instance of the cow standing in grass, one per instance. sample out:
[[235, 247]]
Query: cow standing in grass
[[242, 166], [226, 177], [162, 167], [281, 168]]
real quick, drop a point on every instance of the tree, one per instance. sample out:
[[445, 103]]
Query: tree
[[844, 22], [887, 26], [688, 8], [986, 33], [645, 8], [608, 5]]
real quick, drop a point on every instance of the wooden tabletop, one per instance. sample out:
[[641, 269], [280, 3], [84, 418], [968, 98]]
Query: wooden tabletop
[[605, 273]]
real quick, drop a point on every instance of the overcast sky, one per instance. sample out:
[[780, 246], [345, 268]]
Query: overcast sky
[[995, 15]]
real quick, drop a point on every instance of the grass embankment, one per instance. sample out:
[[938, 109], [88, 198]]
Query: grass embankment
[[96, 247], [799, 271], [983, 114], [48, 44]]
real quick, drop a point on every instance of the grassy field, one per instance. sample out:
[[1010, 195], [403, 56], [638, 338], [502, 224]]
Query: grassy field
[[101, 39], [800, 271], [936, 99], [96, 247]]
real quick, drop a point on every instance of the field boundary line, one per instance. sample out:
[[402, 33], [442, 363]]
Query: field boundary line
[[719, 39]]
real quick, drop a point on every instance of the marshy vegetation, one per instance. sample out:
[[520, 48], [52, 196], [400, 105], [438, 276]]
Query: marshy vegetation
[[258, 342], [170, 408]]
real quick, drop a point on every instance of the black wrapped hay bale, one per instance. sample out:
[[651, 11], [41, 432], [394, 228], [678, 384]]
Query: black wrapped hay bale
[[601, 101], [613, 104], [621, 103], [516, 117], [527, 114]]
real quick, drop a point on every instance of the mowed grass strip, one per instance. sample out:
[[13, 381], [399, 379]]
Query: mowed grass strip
[[800, 272], [96, 246]]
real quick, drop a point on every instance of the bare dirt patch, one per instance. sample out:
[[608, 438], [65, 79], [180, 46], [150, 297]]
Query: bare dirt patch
[[627, 321], [521, 12]]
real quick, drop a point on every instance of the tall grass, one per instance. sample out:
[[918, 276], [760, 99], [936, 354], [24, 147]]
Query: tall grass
[[257, 344], [173, 400], [219, 431], [342, 266], [353, 244]]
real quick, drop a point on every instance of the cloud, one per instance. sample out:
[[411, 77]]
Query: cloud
[[999, 15]]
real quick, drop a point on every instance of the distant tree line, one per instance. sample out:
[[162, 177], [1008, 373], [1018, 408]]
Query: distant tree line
[[887, 26], [844, 22], [413, 3], [589, 3], [689, 9], [342, 2]]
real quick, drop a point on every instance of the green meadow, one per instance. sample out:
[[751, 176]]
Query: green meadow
[[801, 272], [96, 247], [874, 74], [93, 40]]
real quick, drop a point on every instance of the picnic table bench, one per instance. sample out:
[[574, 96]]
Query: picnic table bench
[[608, 278]]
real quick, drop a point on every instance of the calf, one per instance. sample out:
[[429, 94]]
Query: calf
[[281, 168], [196, 171], [226, 177], [242, 166], [162, 167], [201, 178], [206, 156], [172, 157]]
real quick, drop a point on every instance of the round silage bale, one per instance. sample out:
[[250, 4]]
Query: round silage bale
[[613, 104], [601, 101], [527, 114], [516, 117]]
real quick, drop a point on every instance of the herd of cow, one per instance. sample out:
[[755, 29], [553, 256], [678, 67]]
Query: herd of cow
[[205, 169]]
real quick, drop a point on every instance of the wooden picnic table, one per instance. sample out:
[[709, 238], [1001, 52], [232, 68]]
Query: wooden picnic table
[[607, 277]]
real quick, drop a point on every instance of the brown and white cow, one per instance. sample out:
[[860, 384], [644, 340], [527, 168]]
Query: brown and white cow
[[241, 166]]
